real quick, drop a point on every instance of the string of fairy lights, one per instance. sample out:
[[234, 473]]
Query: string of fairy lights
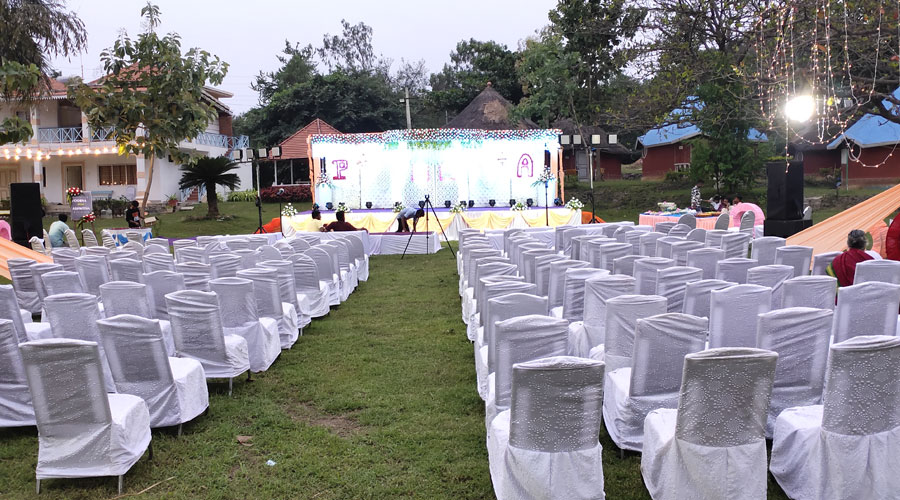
[[43, 153]]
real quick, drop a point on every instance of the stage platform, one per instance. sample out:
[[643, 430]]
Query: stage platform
[[384, 221]]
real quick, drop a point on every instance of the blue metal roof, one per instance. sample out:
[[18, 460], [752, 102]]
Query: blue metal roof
[[870, 131], [678, 132]]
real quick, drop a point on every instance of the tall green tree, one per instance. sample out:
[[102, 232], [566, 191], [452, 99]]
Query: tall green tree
[[152, 95], [474, 63], [33, 31], [20, 83], [297, 66], [209, 172]]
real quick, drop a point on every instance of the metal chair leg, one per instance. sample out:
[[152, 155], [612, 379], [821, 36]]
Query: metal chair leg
[[38, 486], [248, 376], [121, 484], [230, 386], [179, 429], [150, 449]]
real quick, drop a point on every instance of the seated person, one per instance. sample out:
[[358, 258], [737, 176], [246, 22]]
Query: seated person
[[315, 223], [133, 215], [340, 224], [843, 267], [406, 214], [58, 230]]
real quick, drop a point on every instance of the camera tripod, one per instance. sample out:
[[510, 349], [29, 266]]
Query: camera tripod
[[428, 206]]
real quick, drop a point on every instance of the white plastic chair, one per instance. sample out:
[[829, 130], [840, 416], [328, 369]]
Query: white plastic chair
[[706, 259], [288, 291], [772, 276], [645, 273], [159, 284], [884, 270], [173, 388], [652, 381], [196, 275], [799, 257], [270, 305], [197, 328], [845, 447], [734, 269], [817, 292], [800, 336], [866, 309], [696, 296], [240, 316], [61, 282], [733, 313], [763, 249], [546, 445], [713, 446], [82, 430], [37, 245], [308, 284], [126, 270], [671, 282]]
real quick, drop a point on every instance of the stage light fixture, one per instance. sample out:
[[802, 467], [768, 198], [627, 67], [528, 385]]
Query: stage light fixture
[[558, 202], [447, 203], [315, 206], [512, 201], [276, 151], [369, 204], [421, 203], [462, 202], [329, 205], [529, 202], [492, 202], [471, 203]]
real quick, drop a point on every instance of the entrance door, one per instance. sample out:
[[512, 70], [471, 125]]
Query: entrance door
[[581, 163], [73, 177], [7, 177]]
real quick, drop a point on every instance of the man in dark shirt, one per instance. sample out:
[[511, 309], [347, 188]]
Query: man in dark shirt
[[133, 215], [340, 224]]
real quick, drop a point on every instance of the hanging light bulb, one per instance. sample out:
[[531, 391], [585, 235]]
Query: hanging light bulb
[[800, 108], [105, 149], [78, 151], [96, 151], [16, 157], [70, 152], [18, 150], [28, 154]]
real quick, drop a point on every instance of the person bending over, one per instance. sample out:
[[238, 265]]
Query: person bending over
[[843, 267], [341, 225], [57, 231], [404, 216]]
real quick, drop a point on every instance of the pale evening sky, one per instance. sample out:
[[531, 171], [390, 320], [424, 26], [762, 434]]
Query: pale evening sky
[[249, 34]]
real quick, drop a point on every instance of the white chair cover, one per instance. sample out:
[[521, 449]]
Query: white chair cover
[[734, 269], [495, 286], [772, 276], [108, 241], [706, 259], [817, 292], [733, 313], [664, 227], [298, 244], [178, 244], [204, 240], [671, 283], [680, 251], [528, 262], [645, 273], [196, 275], [101, 251], [573, 296], [484, 267], [224, 266], [885, 270], [697, 234], [517, 340], [288, 291], [866, 309], [122, 254], [546, 445], [625, 265], [308, 284], [596, 292], [799, 257], [664, 246], [90, 239], [621, 231], [634, 238], [134, 237], [9, 310], [197, 328], [648, 243], [723, 221], [126, 270], [249, 258], [187, 254], [61, 282], [128, 297], [240, 316], [542, 272], [679, 231], [24, 284], [15, 398], [163, 242], [713, 446], [326, 273], [800, 336], [158, 261], [74, 316], [821, 261], [622, 313], [688, 220], [654, 378], [134, 246], [590, 248], [763, 249], [268, 252], [82, 431], [557, 279], [748, 220], [284, 248], [696, 296], [37, 245], [736, 245], [65, 257], [609, 252], [159, 284], [155, 249], [39, 269], [173, 388], [714, 237], [270, 305], [846, 447]]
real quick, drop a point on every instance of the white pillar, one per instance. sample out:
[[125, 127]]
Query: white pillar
[[141, 165]]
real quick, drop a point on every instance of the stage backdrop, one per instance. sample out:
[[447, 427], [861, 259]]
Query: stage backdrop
[[448, 164]]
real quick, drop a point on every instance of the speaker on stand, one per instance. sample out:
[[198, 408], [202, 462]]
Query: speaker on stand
[[25, 211], [784, 199]]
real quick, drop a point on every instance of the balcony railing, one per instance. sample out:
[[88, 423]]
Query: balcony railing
[[60, 134], [103, 134], [222, 141]]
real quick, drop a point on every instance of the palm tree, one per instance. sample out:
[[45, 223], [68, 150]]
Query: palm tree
[[208, 172]]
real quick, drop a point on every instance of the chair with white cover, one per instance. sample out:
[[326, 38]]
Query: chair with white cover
[[126, 270], [71, 239], [654, 378], [714, 237], [136, 299], [82, 430], [821, 261], [645, 273], [24, 328], [308, 285], [224, 266], [557, 279], [490, 287], [107, 240], [664, 246], [763, 249], [597, 291], [733, 314], [736, 245], [135, 237], [799, 257], [622, 313], [187, 254], [185, 243], [100, 251], [298, 244], [772, 276], [817, 292], [697, 297], [679, 231], [162, 242], [542, 272], [240, 316], [671, 283], [484, 267], [37, 245], [609, 252], [65, 257], [196, 275], [609, 229], [197, 328], [326, 273], [664, 227], [884, 270], [846, 447], [528, 262], [706, 259], [93, 271], [270, 305], [734, 269], [161, 283], [648, 243], [204, 240], [589, 248], [345, 284], [546, 445], [173, 388], [158, 261], [288, 291], [133, 246], [573, 295], [37, 271], [625, 265], [358, 252], [579, 250], [634, 238], [800, 336], [622, 232], [866, 309], [24, 283], [697, 234], [90, 239], [748, 220], [500, 308], [154, 249], [468, 255], [688, 220], [284, 248], [713, 446], [74, 316], [268, 252], [62, 282], [680, 249], [516, 340], [15, 397]]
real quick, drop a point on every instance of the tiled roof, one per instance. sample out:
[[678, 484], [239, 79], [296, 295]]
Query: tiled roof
[[295, 146]]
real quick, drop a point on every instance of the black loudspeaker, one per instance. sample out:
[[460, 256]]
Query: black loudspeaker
[[785, 228], [785, 190], [25, 211], [547, 158]]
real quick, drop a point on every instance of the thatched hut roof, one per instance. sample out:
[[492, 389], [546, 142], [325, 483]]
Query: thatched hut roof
[[489, 111]]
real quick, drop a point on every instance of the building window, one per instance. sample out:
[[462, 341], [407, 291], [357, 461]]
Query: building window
[[118, 175]]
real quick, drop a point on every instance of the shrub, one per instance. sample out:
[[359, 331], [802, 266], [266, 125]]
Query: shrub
[[291, 194], [246, 195]]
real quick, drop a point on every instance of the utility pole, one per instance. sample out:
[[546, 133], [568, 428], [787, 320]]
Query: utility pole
[[408, 117]]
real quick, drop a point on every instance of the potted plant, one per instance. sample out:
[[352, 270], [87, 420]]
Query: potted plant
[[172, 201]]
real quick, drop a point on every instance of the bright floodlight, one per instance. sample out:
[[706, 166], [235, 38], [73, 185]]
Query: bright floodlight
[[800, 108]]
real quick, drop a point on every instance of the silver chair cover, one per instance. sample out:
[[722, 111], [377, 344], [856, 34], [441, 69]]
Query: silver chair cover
[[736, 245], [648, 243], [542, 272], [160, 284], [93, 271], [799, 257], [573, 296], [814, 291], [308, 284], [269, 303], [706, 259], [39, 269], [597, 291], [696, 296], [196, 275], [866, 309], [24, 284], [679, 231], [74, 316], [734, 269], [557, 279], [772, 276], [126, 270], [671, 283], [609, 252], [9, 310], [65, 257], [625, 265], [733, 313], [884, 270], [763, 249], [645, 273], [697, 234], [15, 398], [187, 254], [680, 251], [622, 313], [158, 261], [664, 246], [61, 282], [240, 316]]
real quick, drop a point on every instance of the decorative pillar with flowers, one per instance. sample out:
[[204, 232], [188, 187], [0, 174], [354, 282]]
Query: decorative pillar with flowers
[[545, 178]]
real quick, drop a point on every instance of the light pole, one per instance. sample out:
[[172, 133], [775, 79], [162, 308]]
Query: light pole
[[405, 100]]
